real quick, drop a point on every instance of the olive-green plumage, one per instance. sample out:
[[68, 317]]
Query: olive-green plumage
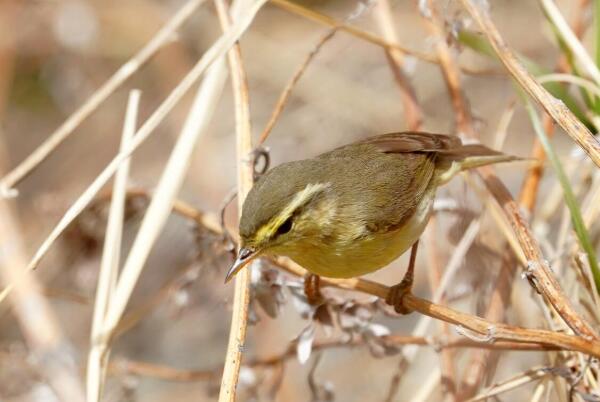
[[357, 208]]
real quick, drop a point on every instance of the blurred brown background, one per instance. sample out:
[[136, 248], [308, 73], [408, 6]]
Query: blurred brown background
[[54, 54]]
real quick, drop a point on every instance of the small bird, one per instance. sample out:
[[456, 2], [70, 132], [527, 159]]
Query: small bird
[[354, 210]]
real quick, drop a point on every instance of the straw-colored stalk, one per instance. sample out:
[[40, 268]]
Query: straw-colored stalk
[[241, 297], [217, 50], [162, 37], [109, 265], [34, 314]]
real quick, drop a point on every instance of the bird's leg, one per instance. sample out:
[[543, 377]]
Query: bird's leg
[[397, 292], [312, 289]]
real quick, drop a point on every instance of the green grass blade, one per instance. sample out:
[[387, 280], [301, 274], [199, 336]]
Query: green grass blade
[[597, 45], [576, 219], [480, 44], [590, 100], [476, 42]]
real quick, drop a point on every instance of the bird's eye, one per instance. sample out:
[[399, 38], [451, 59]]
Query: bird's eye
[[284, 227]]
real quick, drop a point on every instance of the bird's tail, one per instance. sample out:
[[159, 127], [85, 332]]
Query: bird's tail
[[452, 161]]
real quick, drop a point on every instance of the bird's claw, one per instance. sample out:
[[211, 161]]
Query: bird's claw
[[396, 294]]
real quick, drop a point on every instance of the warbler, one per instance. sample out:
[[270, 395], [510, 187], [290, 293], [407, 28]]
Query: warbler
[[354, 210]]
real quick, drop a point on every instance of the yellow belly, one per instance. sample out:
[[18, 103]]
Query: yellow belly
[[369, 253]]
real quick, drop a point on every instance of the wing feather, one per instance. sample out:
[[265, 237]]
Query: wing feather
[[413, 141]]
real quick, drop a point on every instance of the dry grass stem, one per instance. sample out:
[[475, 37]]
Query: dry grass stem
[[162, 202], [162, 37], [506, 275], [36, 318], [218, 49], [423, 393], [531, 184], [120, 366], [556, 108], [109, 266], [570, 79], [462, 113], [287, 92], [331, 22], [241, 298], [538, 269], [509, 385], [450, 72], [412, 110], [571, 40], [447, 356]]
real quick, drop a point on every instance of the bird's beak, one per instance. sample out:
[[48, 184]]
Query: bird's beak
[[245, 255]]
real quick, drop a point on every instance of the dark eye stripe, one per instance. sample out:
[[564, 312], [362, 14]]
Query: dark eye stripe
[[285, 227]]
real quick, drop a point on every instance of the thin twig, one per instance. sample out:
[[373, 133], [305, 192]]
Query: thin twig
[[538, 271], [448, 370], [285, 95], [120, 366], [501, 293], [500, 332], [463, 119], [287, 91], [323, 19], [412, 110], [450, 71], [508, 385], [531, 184], [331, 22]]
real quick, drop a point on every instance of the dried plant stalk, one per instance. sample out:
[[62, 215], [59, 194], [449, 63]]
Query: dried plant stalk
[[555, 107], [218, 49], [109, 266], [538, 270], [160, 207], [160, 371], [571, 39], [285, 95], [412, 110], [328, 21], [450, 72], [88, 107], [35, 316], [241, 297]]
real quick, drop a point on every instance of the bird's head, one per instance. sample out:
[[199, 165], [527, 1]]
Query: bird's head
[[287, 208]]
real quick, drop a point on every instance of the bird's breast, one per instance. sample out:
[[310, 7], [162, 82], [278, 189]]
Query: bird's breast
[[365, 254]]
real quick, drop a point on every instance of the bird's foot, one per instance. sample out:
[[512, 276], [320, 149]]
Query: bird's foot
[[395, 296], [312, 289]]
